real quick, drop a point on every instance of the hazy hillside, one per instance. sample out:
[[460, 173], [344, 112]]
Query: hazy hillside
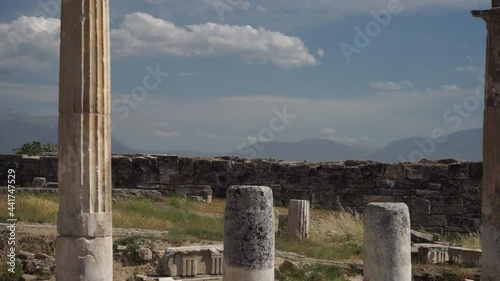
[[18, 128], [462, 145], [311, 149], [466, 145]]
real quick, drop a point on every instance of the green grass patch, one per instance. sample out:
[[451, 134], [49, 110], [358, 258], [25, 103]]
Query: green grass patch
[[6, 275], [319, 250], [175, 215]]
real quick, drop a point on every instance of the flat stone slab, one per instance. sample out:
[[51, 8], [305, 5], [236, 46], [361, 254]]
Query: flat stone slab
[[421, 237], [191, 261], [438, 253], [465, 256]]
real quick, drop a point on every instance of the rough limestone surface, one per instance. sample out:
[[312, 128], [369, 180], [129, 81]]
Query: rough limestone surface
[[249, 234], [298, 220], [387, 244], [91, 255]]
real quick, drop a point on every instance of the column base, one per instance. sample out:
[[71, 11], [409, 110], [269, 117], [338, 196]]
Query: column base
[[490, 259], [84, 259], [231, 273]]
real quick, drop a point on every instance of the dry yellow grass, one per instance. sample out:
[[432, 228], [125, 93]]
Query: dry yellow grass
[[337, 227], [33, 208], [216, 207], [471, 240], [132, 220]]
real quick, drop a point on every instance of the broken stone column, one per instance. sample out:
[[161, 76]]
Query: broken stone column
[[387, 242], [298, 220], [490, 227], [249, 234], [84, 246]]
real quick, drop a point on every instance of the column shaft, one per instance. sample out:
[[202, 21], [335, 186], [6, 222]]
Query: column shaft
[[298, 220], [84, 243], [490, 227], [387, 242], [249, 234]]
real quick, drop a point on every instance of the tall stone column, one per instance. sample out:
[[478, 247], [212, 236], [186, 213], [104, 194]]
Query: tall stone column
[[387, 242], [249, 234], [84, 246], [298, 220], [490, 227]]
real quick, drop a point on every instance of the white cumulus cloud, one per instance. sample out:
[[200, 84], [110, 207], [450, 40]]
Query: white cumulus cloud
[[32, 43], [29, 44], [143, 34]]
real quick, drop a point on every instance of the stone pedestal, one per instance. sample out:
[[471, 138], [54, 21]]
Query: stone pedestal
[[490, 227], [387, 243], [84, 242], [249, 234], [298, 220]]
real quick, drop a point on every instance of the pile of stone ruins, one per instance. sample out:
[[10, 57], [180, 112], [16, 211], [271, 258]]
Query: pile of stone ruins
[[84, 244]]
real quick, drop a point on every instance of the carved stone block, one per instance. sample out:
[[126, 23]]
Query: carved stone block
[[191, 261]]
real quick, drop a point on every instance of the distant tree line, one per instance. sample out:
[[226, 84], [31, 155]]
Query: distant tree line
[[35, 148]]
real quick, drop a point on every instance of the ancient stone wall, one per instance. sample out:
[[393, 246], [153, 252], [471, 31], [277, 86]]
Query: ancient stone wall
[[443, 196]]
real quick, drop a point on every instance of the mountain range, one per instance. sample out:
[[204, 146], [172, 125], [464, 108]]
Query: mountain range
[[18, 128]]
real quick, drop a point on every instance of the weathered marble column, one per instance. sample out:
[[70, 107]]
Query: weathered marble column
[[249, 234], [490, 227], [84, 246], [298, 220], [387, 242]]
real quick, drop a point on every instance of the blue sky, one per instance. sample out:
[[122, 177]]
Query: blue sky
[[232, 64]]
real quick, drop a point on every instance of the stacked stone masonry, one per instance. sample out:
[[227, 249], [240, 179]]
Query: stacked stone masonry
[[443, 196]]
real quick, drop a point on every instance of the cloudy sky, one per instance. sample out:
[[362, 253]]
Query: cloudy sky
[[222, 72]]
